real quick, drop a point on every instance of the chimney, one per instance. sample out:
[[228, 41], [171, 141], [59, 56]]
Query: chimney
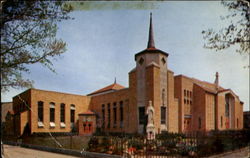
[[216, 82]]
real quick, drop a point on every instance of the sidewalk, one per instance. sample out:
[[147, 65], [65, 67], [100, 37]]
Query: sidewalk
[[19, 152]]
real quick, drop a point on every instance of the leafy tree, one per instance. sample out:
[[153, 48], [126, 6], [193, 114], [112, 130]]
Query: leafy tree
[[28, 36], [238, 31]]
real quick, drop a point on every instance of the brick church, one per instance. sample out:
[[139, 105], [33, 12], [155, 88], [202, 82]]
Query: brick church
[[181, 103]]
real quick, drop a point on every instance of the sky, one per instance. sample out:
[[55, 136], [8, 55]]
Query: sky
[[104, 37]]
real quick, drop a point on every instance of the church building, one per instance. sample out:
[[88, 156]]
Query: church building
[[180, 103]]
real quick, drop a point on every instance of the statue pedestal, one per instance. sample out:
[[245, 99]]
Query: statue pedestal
[[150, 132]]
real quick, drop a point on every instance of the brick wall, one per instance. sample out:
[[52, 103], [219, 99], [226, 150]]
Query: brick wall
[[198, 109], [81, 105], [172, 112], [111, 98], [210, 111], [153, 93], [179, 96], [184, 92]]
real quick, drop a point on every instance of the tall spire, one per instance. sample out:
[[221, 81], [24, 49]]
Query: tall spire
[[151, 43]]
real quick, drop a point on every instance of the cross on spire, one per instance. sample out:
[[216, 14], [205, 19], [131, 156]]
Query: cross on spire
[[151, 43]]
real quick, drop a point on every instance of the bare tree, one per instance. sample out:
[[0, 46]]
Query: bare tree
[[236, 33]]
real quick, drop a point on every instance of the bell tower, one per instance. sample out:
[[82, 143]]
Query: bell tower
[[151, 79]]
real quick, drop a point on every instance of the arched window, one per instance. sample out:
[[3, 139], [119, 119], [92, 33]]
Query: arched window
[[221, 121], [84, 127], [163, 115], [72, 113], [103, 115], [52, 114], [90, 127], [40, 111], [62, 112], [199, 123], [40, 114], [115, 116], [237, 123], [121, 114], [227, 100], [109, 113]]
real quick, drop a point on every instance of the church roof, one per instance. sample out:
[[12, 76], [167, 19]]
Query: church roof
[[213, 91], [112, 87], [151, 50], [207, 86]]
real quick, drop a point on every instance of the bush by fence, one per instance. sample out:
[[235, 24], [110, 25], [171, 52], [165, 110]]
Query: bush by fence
[[174, 144]]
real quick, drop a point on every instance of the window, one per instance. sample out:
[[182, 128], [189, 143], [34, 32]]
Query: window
[[109, 115], [90, 127], [185, 101], [221, 121], [72, 113], [62, 112], [52, 114], [141, 61], [163, 115], [142, 117], [103, 115], [227, 105], [185, 92], [121, 114], [40, 111], [114, 110], [62, 115], [163, 60], [237, 123], [190, 102], [84, 127], [199, 123], [163, 97]]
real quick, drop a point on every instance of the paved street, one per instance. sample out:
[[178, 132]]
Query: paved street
[[19, 152], [244, 153]]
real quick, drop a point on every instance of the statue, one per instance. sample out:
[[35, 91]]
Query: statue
[[150, 125], [150, 113]]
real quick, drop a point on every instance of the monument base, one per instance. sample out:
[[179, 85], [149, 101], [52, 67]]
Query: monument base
[[150, 132]]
